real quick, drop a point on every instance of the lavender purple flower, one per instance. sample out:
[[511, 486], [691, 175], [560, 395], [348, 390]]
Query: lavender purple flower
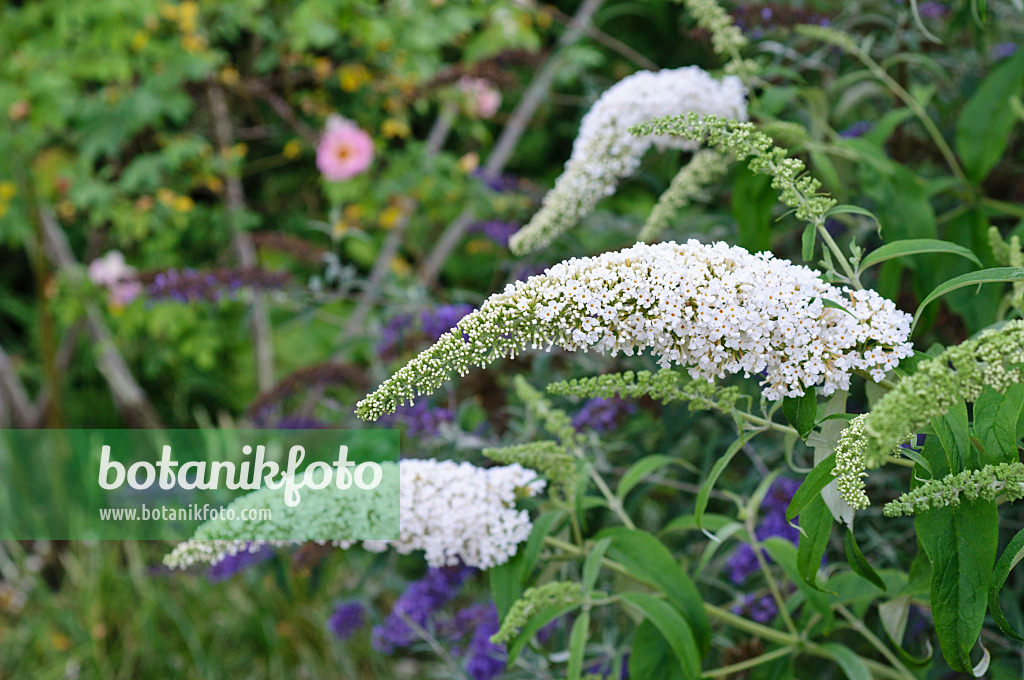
[[419, 420], [189, 285], [602, 415], [858, 129], [773, 523], [496, 230], [439, 320], [233, 564], [1003, 50], [484, 659], [761, 609], [348, 617], [418, 604]]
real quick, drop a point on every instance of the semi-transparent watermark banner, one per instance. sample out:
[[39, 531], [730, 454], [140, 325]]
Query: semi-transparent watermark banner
[[293, 485]]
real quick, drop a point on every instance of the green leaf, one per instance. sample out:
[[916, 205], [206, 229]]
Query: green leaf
[[672, 626], [536, 622], [711, 521], [507, 580], [815, 531], [914, 246], [1011, 556], [816, 480], [954, 434], [856, 210], [651, 656], [640, 469], [993, 275], [785, 554], [578, 645], [648, 560], [984, 124], [859, 563], [807, 242], [802, 411], [852, 665], [995, 421], [592, 565], [752, 201], [704, 493], [961, 543]]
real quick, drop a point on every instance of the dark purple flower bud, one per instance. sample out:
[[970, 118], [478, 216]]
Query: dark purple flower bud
[[348, 617], [858, 129]]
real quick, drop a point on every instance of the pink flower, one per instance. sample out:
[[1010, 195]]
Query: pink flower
[[111, 272], [483, 100], [344, 151]]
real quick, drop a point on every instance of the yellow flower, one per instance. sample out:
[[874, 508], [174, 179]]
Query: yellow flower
[[400, 267], [389, 217], [340, 228], [352, 76], [395, 127], [168, 11], [66, 210], [139, 41], [292, 149], [543, 19], [214, 183], [239, 150], [165, 196], [60, 642], [188, 13], [353, 213], [321, 68], [229, 75], [8, 190], [183, 204], [193, 43], [469, 162]]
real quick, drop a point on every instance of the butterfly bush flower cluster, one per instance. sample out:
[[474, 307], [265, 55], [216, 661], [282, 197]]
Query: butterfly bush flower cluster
[[344, 150], [459, 513], [456, 513], [605, 152], [715, 309]]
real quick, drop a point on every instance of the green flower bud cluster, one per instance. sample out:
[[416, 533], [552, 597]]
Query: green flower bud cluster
[[726, 37], [850, 462], [665, 386], [556, 594], [798, 189], [1008, 252], [546, 457], [993, 359], [705, 167], [988, 483], [555, 420]]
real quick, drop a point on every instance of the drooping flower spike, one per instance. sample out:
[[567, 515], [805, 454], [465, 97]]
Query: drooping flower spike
[[715, 309], [456, 513], [605, 152]]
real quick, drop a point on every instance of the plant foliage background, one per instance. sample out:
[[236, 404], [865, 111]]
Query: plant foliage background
[[176, 252]]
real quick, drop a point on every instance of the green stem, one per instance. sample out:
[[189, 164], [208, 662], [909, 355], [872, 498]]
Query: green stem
[[873, 640], [773, 586], [1003, 206], [918, 110], [750, 663]]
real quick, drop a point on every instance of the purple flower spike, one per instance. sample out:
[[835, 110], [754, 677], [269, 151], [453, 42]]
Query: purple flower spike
[[233, 564], [348, 617]]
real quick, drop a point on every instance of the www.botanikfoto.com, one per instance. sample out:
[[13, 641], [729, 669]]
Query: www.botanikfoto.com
[[194, 512]]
